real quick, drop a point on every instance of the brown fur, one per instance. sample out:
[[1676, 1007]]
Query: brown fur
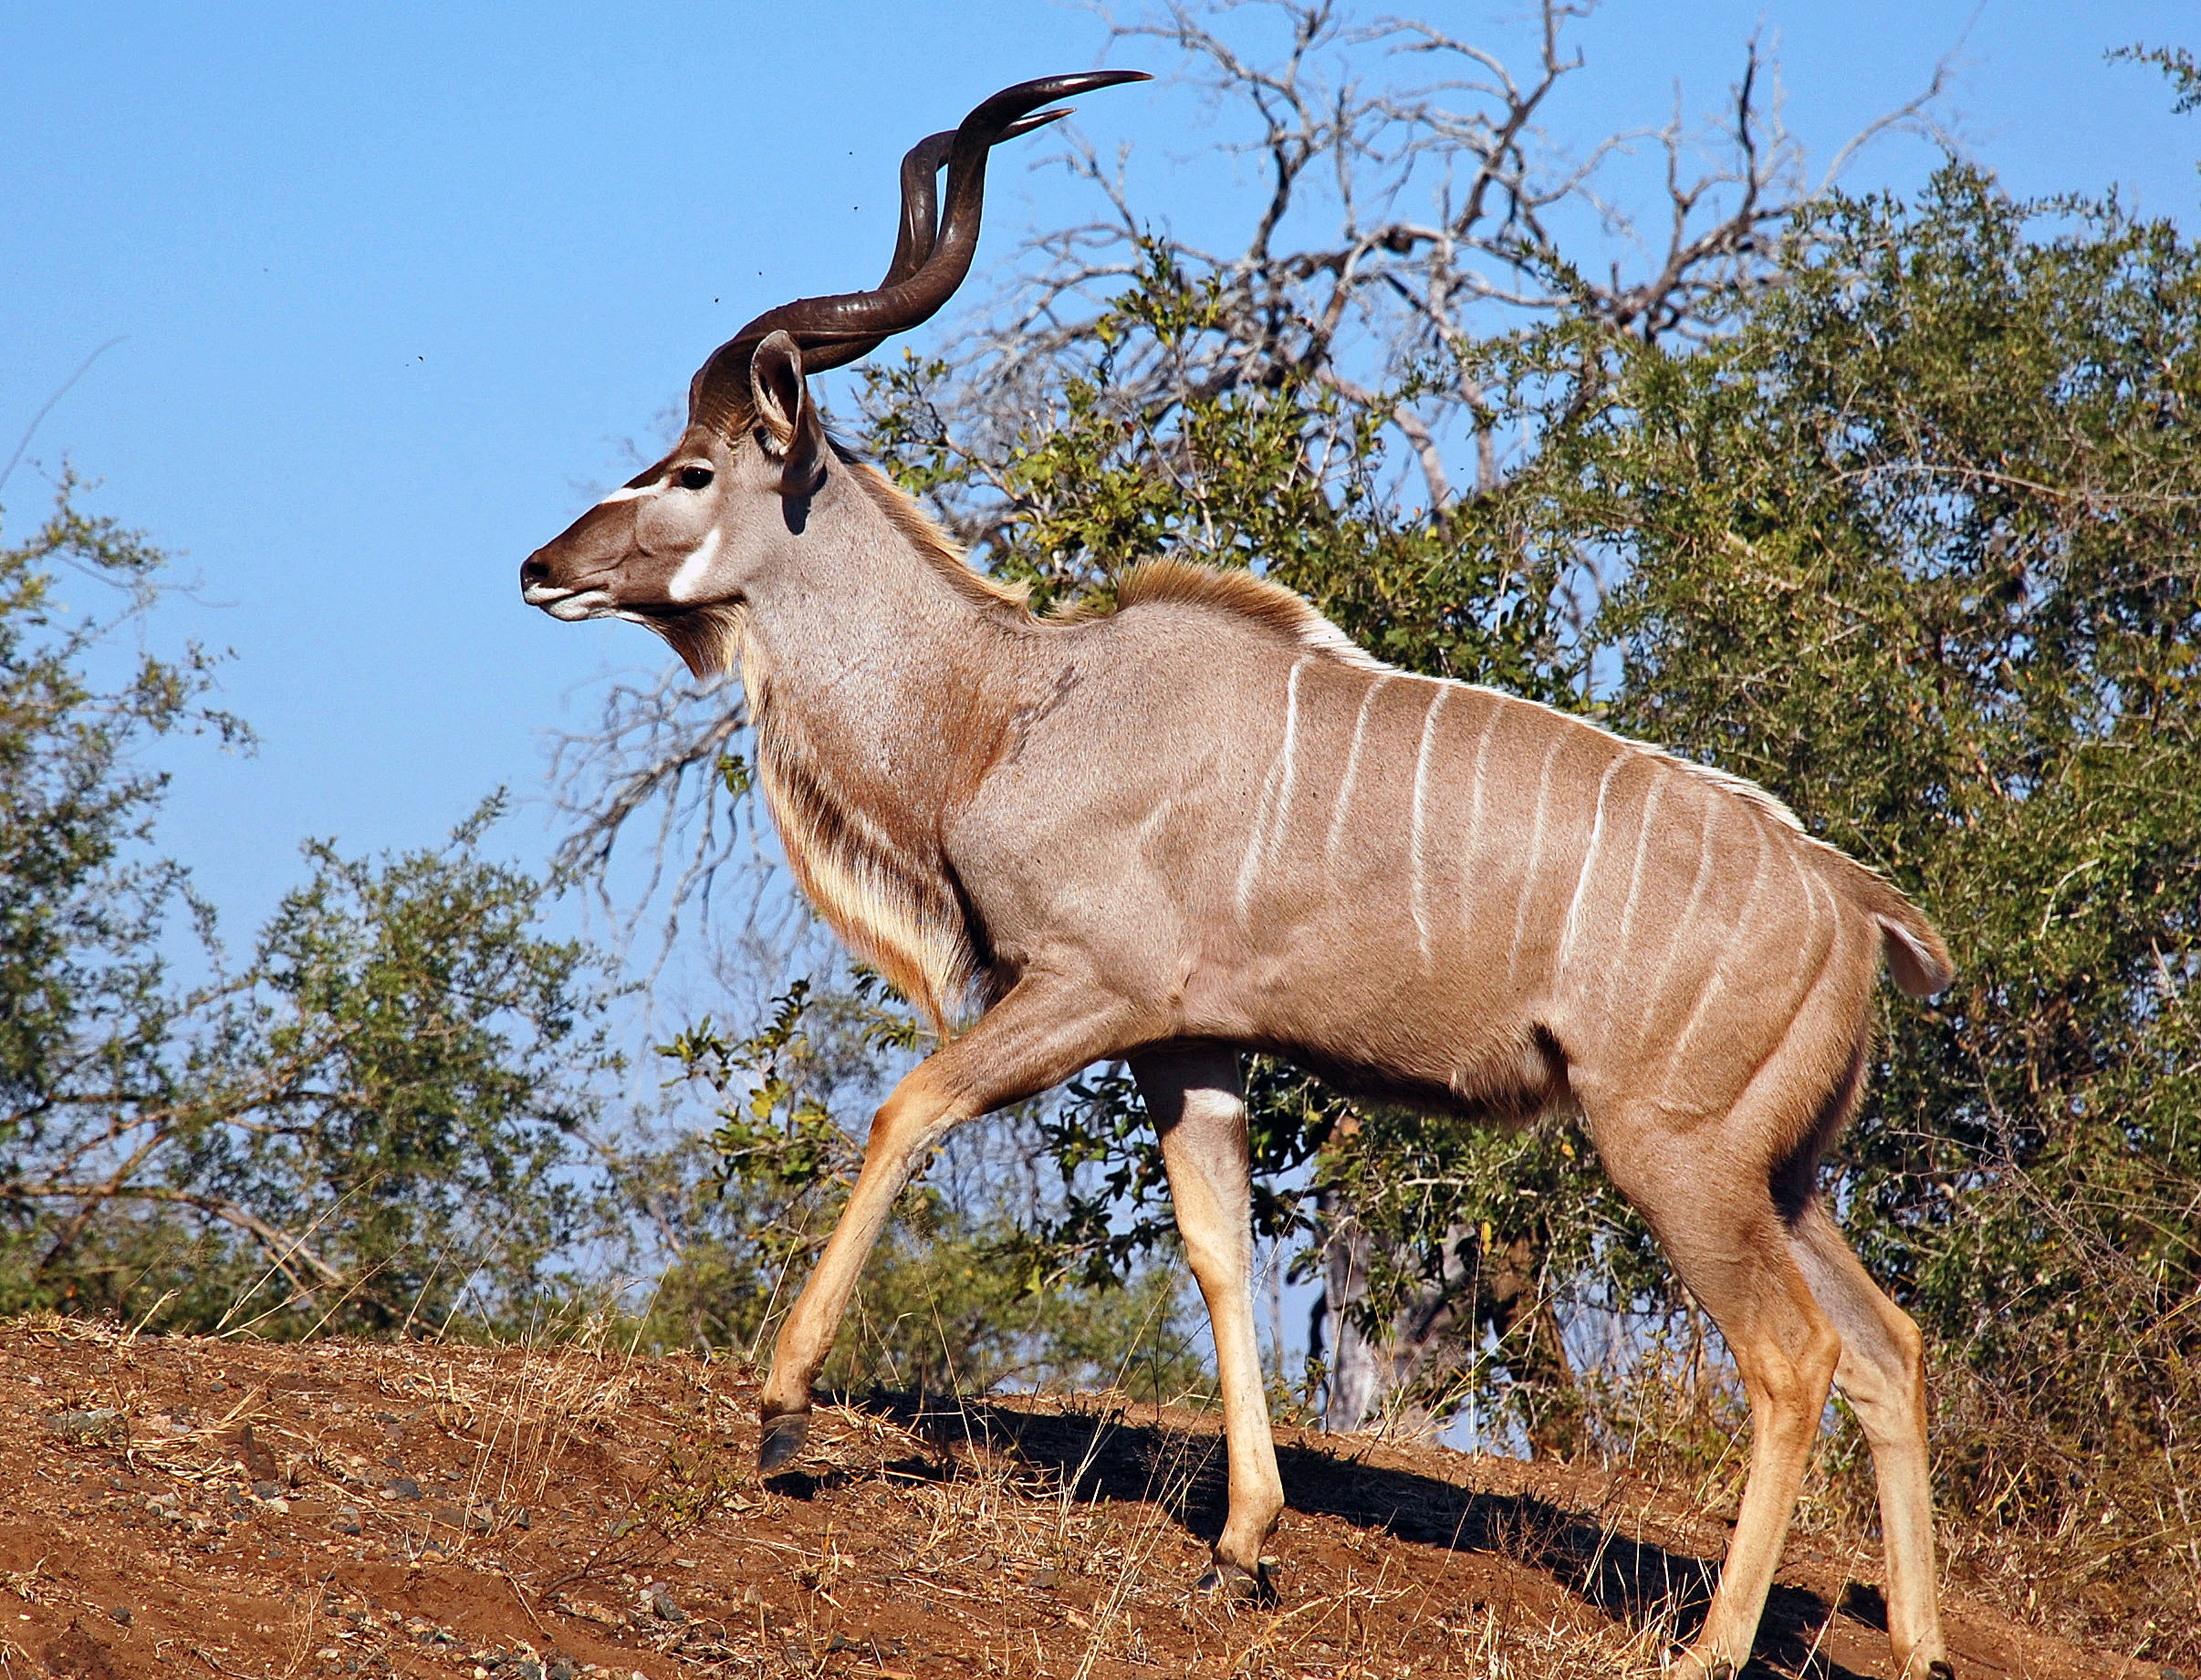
[[891, 909]]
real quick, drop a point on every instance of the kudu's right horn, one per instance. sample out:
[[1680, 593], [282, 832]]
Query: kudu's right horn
[[929, 262]]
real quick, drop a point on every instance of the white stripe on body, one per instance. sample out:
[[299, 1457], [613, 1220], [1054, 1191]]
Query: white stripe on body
[[1657, 988], [1475, 796], [1803, 962], [1419, 889], [1717, 982], [1635, 882], [1278, 827], [1352, 770], [1536, 851], [1582, 879], [1276, 792]]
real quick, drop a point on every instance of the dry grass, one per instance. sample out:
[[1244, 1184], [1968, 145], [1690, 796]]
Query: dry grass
[[577, 1502]]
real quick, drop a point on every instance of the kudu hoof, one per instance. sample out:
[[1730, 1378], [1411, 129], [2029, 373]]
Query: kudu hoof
[[783, 1438], [1228, 1583]]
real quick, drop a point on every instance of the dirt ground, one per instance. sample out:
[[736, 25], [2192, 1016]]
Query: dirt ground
[[184, 1506]]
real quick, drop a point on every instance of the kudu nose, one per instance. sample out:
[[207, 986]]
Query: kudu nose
[[534, 569]]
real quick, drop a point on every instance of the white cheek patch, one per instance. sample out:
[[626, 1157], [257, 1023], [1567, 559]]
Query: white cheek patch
[[686, 584], [628, 494]]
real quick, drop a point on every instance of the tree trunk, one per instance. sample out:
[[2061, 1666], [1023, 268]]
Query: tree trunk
[[1433, 1335]]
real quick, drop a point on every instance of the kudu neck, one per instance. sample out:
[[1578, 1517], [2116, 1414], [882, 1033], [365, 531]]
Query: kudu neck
[[863, 655]]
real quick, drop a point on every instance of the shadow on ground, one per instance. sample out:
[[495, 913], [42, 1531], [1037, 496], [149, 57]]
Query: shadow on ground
[[1106, 1456]]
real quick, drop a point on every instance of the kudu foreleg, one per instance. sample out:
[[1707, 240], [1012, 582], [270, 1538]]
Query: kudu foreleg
[[1198, 1106], [1040, 1034]]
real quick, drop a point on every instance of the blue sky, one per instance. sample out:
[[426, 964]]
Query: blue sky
[[397, 283]]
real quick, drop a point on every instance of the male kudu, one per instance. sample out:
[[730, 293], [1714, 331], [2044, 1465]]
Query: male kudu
[[1206, 823]]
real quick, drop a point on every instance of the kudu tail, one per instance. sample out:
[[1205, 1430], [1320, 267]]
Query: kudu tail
[[1917, 960]]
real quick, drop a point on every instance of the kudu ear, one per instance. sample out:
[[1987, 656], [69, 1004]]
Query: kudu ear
[[785, 414]]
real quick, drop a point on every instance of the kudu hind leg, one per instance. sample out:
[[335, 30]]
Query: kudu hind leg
[[1883, 1376], [1041, 1033], [1715, 1220], [1198, 1106]]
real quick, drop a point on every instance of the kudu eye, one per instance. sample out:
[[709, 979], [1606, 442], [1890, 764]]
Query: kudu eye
[[695, 477]]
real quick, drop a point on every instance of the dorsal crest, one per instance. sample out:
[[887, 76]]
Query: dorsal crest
[[1243, 596]]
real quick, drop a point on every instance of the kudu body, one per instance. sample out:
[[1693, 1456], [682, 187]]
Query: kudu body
[[1205, 823]]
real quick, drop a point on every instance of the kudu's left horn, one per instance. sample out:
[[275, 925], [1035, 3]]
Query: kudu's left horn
[[929, 264]]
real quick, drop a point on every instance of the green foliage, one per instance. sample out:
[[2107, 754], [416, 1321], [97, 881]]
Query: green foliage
[[2178, 68], [366, 1126], [417, 1059], [1114, 1205], [81, 983], [1287, 477]]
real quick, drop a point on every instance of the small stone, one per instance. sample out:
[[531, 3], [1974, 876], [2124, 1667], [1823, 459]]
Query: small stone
[[401, 1487], [121, 1613], [98, 1424], [662, 1607], [520, 1519], [560, 1668], [258, 1461], [346, 1520], [267, 1490], [1045, 1580]]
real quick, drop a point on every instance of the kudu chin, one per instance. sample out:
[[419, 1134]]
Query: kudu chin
[[1205, 823]]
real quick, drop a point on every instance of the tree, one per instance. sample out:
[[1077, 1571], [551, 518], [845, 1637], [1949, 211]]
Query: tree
[[1916, 546], [375, 1109]]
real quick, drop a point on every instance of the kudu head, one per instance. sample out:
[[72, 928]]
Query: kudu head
[[679, 546]]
